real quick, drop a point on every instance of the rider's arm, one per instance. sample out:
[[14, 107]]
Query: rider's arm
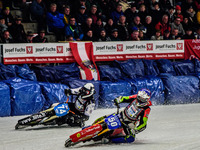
[[75, 91], [143, 123], [125, 99]]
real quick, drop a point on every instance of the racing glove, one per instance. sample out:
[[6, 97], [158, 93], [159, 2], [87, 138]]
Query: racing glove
[[118, 100], [67, 92]]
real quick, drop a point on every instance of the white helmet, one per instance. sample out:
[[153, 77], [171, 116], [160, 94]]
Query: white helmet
[[143, 97], [87, 90]]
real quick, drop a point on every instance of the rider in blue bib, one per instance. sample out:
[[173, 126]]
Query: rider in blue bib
[[137, 111]]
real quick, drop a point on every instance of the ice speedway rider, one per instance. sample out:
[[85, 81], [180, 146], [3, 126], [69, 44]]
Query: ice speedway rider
[[83, 105], [127, 116]]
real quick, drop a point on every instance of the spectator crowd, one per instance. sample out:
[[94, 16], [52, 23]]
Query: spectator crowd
[[101, 20]]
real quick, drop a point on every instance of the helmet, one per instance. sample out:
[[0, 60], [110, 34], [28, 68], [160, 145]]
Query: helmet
[[143, 97], [87, 90]]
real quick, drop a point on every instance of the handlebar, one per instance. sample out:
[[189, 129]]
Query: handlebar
[[118, 107]]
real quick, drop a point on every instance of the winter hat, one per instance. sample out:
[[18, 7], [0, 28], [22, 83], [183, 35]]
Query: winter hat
[[178, 7]]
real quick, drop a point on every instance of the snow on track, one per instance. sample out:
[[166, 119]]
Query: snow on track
[[173, 127]]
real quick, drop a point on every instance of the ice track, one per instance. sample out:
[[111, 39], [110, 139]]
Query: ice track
[[175, 127]]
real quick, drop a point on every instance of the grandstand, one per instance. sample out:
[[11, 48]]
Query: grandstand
[[34, 18]]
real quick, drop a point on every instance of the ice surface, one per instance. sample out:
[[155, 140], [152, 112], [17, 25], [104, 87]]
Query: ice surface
[[175, 127]]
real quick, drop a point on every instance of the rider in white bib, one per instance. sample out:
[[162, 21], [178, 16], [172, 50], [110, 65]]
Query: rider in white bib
[[84, 103]]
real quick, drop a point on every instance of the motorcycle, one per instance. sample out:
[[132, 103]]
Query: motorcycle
[[57, 114], [102, 129]]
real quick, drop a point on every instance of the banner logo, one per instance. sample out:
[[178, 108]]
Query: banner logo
[[29, 49], [179, 46], [59, 49], [149, 46], [120, 47]]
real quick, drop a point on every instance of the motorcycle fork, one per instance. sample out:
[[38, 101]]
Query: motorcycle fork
[[104, 126]]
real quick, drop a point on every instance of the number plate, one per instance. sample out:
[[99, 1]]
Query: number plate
[[113, 122], [61, 109]]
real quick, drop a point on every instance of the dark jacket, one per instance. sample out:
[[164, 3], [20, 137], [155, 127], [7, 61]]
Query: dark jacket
[[76, 32], [17, 32], [37, 9], [37, 39]]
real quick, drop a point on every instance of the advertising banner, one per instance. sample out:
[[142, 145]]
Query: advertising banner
[[102, 51], [37, 53], [18, 53], [173, 49], [192, 49]]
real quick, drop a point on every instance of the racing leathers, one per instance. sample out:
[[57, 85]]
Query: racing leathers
[[82, 107], [134, 119]]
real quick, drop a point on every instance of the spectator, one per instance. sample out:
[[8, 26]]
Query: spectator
[[122, 27], [90, 3], [135, 35], [88, 25], [117, 13], [29, 37], [149, 26], [38, 11], [142, 13], [109, 27], [175, 34], [191, 14], [157, 13], [197, 4], [164, 25], [7, 16], [98, 27], [55, 22], [77, 4], [151, 4], [69, 38], [177, 24], [67, 14], [157, 36], [89, 36], [81, 16], [17, 30], [6, 37], [106, 9], [131, 13], [178, 12], [3, 26], [186, 24], [137, 24], [113, 5], [74, 30], [103, 36], [197, 33], [93, 14], [114, 36], [166, 35], [142, 36], [165, 5], [24, 6], [40, 38], [188, 34], [188, 3], [171, 14], [125, 5]]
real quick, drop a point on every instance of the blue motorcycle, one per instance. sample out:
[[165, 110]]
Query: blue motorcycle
[[57, 114]]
